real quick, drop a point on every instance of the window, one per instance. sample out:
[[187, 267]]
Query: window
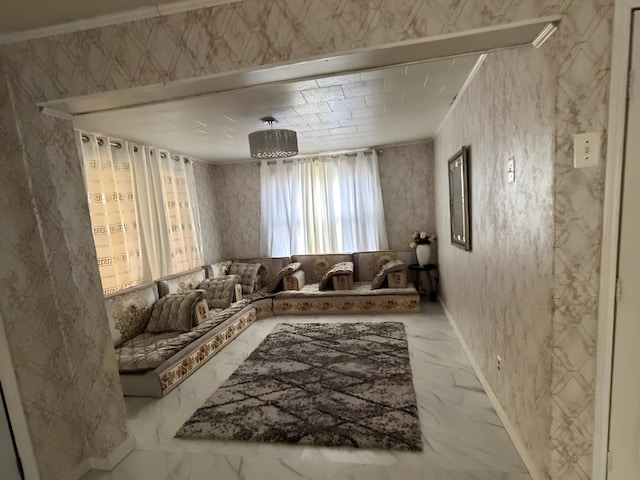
[[143, 213], [322, 205]]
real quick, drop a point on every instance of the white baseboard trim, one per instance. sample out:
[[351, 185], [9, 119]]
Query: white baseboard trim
[[102, 463], [509, 427]]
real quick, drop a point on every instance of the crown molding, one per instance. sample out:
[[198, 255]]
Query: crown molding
[[111, 19]]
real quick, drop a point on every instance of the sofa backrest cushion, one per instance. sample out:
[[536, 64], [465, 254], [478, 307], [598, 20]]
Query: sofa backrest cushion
[[268, 272], [218, 292], [248, 273], [316, 265], [218, 269], [128, 311], [368, 264], [182, 282], [174, 312]]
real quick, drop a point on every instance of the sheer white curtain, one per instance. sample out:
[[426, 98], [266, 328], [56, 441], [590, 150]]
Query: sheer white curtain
[[148, 226], [177, 203], [321, 205], [112, 205]]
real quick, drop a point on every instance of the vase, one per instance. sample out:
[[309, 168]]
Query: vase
[[423, 252]]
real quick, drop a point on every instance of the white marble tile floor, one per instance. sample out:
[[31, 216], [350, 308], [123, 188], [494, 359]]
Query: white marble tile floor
[[463, 437]]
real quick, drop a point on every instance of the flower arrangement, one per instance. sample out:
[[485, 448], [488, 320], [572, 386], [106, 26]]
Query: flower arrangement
[[421, 238]]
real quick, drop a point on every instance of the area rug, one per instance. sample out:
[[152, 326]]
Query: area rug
[[333, 384]]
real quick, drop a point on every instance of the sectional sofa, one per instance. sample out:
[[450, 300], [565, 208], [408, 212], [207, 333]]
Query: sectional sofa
[[153, 361]]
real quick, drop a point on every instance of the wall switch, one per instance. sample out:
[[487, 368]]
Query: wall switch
[[498, 363], [586, 149], [511, 170]]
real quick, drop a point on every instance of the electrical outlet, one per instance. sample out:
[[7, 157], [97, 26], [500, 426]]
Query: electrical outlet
[[498, 363]]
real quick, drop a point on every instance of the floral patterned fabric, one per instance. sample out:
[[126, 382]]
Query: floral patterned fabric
[[149, 350], [342, 282], [200, 312], [267, 279], [381, 276], [359, 289], [342, 268], [173, 313], [368, 264], [128, 312], [218, 292], [397, 279], [315, 266], [182, 283], [347, 304], [248, 273], [294, 281]]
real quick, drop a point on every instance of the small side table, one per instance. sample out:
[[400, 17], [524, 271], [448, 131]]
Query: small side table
[[429, 268]]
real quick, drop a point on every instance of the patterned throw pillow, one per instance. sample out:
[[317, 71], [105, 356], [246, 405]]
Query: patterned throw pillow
[[173, 312], [286, 270], [248, 273], [342, 268], [201, 310], [218, 292], [390, 266]]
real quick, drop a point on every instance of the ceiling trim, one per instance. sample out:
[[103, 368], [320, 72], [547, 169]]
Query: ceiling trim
[[127, 16], [484, 39]]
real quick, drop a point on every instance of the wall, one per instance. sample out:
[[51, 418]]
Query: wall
[[500, 292], [260, 32], [406, 179], [205, 179], [51, 299], [237, 188]]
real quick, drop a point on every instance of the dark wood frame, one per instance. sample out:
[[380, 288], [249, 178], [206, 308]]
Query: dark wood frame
[[459, 199]]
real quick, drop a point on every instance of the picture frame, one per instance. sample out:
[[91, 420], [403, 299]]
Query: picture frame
[[459, 199]]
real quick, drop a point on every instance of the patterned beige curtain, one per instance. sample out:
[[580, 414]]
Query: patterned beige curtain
[[112, 206], [143, 211]]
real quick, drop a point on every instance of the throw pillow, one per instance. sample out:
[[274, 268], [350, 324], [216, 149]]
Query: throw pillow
[[248, 273], [218, 292], [173, 312], [342, 268], [390, 266], [200, 313], [220, 269], [286, 270]]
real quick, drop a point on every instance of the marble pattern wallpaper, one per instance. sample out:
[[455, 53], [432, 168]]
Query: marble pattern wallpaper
[[51, 295], [244, 35], [208, 203], [406, 180], [500, 293], [237, 189]]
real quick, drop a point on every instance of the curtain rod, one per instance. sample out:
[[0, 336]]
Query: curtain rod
[[100, 141]]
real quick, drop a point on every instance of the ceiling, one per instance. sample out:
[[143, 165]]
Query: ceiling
[[333, 113]]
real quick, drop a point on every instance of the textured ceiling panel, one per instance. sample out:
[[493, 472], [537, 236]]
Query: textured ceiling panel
[[381, 107]]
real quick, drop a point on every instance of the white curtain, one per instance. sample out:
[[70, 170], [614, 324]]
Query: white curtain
[[156, 213], [322, 205], [112, 205]]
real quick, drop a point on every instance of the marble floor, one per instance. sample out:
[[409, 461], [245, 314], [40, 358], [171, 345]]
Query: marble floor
[[463, 437]]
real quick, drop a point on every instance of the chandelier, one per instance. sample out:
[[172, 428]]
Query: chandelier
[[273, 142]]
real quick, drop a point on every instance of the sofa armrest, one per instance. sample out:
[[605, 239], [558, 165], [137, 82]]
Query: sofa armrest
[[294, 281]]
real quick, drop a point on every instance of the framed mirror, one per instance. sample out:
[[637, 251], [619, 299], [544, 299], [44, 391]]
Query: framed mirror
[[459, 199]]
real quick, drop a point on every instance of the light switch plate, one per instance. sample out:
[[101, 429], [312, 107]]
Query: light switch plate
[[586, 149], [511, 170]]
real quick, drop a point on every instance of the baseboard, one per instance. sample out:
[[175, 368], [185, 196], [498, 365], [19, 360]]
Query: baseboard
[[115, 457], [102, 463], [513, 433]]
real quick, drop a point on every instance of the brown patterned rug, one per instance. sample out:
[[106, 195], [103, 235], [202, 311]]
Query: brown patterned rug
[[335, 384]]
